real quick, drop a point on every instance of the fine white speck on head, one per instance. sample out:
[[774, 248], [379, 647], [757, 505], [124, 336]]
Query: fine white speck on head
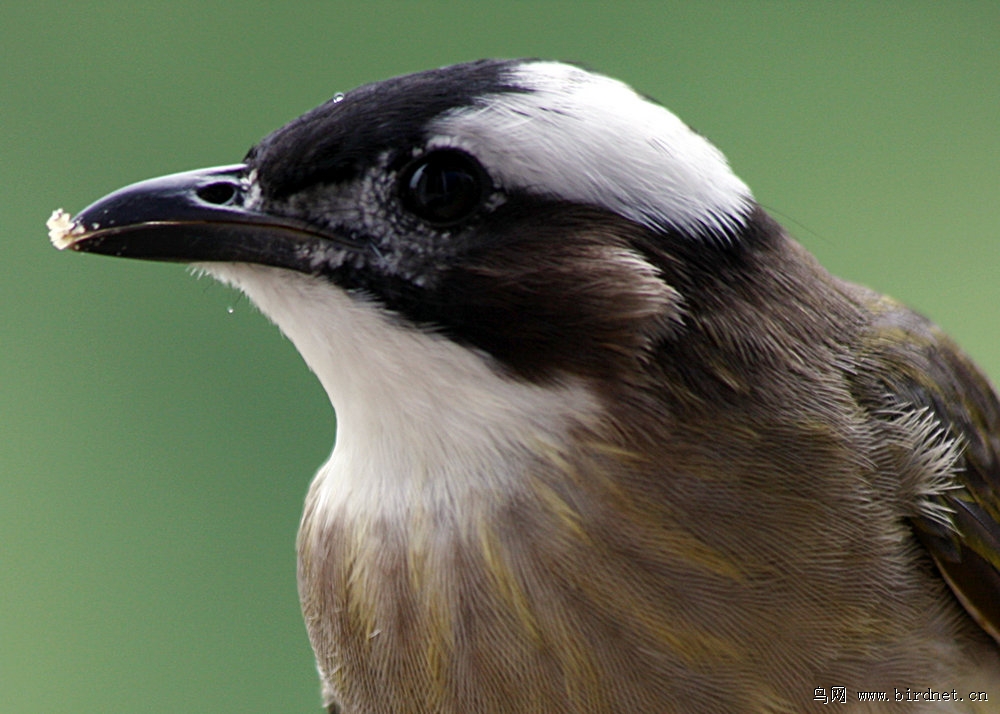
[[562, 138], [252, 190], [62, 230]]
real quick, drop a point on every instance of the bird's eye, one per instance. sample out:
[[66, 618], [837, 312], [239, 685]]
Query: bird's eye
[[443, 187]]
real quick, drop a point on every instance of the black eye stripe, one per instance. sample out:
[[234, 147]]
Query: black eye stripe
[[443, 187]]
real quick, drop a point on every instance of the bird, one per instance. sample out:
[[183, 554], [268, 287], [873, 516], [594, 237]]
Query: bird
[[609, 439]]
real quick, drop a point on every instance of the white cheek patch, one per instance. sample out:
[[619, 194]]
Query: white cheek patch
[[591, 139]]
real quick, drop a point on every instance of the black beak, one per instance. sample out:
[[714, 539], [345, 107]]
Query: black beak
[[193, 217]]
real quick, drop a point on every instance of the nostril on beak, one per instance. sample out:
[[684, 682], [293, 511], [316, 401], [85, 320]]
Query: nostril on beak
[[219, 193]]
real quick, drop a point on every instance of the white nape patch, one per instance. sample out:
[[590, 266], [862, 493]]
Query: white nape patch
[[421, 421], [589, 138]]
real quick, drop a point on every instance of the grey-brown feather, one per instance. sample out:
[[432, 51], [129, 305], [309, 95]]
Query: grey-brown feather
[[733, 533]]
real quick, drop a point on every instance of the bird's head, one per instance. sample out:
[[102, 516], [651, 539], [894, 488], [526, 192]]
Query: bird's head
[[519, 209], [587, 392]]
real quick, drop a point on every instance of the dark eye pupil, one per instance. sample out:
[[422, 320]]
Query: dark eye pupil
[[443, 187]]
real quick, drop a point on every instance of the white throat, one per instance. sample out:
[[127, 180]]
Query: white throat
[[421, 420]]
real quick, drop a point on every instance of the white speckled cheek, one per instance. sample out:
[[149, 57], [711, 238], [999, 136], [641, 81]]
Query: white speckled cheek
[[374, 198]]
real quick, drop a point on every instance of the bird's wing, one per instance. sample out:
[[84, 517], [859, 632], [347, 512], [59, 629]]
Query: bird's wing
[[915, 380]]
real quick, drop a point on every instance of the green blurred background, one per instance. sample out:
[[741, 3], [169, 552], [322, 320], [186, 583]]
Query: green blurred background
[[157, 435]]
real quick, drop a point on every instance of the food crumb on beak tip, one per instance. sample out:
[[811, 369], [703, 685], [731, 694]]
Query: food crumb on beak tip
[[62, 230]]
